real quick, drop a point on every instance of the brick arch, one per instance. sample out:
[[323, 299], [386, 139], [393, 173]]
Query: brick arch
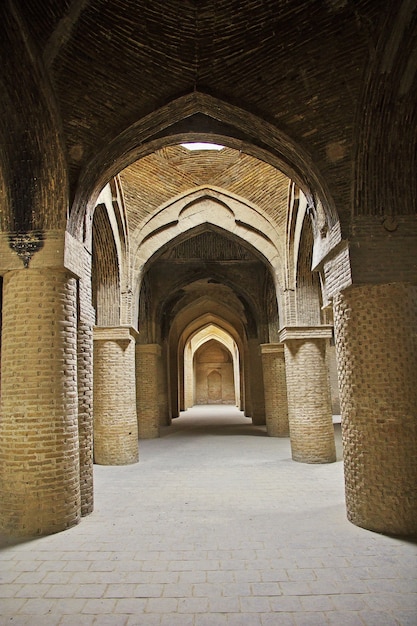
[[33, 170], [105, 270], [386, 128], [187, 326], [200, 117], [307, 292], [196, 343], [208, 208]]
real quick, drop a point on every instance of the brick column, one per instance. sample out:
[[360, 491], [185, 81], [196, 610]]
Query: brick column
[[164, 416], [39, 455], [85, 324], [308, 388], [275, 385], [256, 383], [115, 420], [188, 377], [246, 380], [148, 362], [375, 327], [172, 375], [85, 414]]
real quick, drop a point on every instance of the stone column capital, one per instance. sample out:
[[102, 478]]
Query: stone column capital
[[288, 333]]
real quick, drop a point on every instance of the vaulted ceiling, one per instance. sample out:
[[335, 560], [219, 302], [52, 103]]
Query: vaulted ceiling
[[327, 87], [170, 172]]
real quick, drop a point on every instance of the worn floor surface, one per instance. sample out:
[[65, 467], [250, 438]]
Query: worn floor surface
[[216, 525]]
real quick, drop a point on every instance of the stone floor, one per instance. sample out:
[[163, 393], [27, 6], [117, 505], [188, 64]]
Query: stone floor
[[216, 525]]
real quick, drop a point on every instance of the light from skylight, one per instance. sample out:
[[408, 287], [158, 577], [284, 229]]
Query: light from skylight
[[202, 146]]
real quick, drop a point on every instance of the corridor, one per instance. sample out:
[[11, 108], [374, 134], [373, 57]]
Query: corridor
[[215, 525]]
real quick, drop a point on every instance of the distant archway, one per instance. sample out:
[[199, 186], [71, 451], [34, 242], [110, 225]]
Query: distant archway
[[210, 350]]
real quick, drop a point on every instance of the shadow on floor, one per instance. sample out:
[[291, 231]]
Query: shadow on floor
[[223, 421]]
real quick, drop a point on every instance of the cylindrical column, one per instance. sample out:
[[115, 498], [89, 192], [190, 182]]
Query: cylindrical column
[[375, 328], [172, 373], [85, 323], [164, 416], [188, 377], [85, 414], [247, 388], [148, 358], [39, 456], [256, 383], [115, 420], [275, 385], [308, 389]]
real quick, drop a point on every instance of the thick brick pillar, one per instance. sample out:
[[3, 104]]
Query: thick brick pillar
[[39, 455], [85, 324], [275, 385], [256, 383], [85, 414], [164, 416], [188, 377], [148, 363], [115, 420], [246, 388], [172, 375], [375, 327], [308, 389]]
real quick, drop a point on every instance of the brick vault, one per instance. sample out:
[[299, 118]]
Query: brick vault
[[139, 277]]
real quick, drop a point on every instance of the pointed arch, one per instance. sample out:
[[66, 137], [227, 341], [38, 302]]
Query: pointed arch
[[193, 346], [201, 117]]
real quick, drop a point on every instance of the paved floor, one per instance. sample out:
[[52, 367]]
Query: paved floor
[[216, 525]]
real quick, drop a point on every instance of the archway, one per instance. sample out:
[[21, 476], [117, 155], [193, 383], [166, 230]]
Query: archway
[[211, 349]]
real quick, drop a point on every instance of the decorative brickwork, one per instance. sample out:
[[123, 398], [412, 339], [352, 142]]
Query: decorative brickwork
[[375, 329], [148, 364], [308, 387], [115, 421], [39, 461], [276, 402]]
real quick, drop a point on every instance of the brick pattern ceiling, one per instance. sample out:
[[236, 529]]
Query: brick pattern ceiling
[[114, 61], [167, 173], [337, 77]]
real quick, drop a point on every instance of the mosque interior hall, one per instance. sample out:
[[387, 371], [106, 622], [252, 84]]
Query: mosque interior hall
[[207, 205]]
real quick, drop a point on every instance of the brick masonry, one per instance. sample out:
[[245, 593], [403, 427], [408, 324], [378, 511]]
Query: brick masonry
[[115, 420], [276, 400], [375, 327], [214, 383], [308, 388], [148, 366], [257, 78], [254, 364], [39, 453]]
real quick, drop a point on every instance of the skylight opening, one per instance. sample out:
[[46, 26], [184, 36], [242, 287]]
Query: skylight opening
[[202, 146]]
